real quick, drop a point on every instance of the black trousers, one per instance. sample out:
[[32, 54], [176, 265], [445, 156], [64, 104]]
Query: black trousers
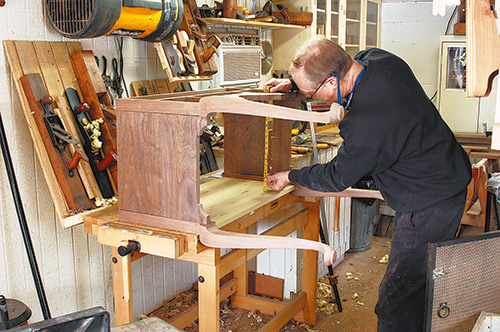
[[401, 302]]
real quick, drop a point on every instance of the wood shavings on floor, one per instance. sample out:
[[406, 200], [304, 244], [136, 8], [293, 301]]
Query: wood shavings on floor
[[359, 276]]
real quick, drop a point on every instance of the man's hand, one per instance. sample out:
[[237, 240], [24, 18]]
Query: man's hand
[[278, 181], [279, 84]]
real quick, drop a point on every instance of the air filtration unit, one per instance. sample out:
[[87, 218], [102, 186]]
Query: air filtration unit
[[236, 50]]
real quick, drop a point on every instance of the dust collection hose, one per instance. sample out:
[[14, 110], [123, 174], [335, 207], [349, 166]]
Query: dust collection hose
[[22, 222], [147, 20]]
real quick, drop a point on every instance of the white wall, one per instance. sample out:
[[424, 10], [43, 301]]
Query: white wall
[[411, 31], [76, 270]]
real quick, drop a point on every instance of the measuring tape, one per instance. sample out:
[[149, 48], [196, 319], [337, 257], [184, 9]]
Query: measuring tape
[[268, 128]]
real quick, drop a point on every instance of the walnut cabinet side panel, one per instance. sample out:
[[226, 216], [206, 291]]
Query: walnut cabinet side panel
[[159, 164]]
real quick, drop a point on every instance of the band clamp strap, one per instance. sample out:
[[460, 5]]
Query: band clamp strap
[[294, 88]]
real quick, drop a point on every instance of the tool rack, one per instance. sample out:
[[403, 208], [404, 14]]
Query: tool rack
[[49, 65]]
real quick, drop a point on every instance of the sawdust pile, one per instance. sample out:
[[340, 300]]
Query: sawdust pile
[[233, 319]]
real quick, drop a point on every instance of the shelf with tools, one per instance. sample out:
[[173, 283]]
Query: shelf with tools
[[257, 24], [188, 54], [170, 59]]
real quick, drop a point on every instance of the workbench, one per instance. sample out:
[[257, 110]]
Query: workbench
[[234, 205]]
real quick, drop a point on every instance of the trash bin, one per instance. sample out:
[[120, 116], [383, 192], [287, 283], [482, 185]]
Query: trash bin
[[362, 218], [362, 222]]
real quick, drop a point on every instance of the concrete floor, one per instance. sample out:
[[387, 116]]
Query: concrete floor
[[359, 277]]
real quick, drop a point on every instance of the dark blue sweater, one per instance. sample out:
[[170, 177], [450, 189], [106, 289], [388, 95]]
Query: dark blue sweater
[[393, 133]]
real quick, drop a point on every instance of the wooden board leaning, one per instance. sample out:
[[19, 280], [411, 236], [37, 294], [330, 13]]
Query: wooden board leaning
[[51, 61]]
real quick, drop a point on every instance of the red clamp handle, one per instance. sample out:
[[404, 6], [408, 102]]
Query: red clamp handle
[[108, 161], [75, 160]]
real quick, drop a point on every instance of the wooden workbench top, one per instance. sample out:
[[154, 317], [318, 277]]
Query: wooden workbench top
[[227, 199], [224, 199]]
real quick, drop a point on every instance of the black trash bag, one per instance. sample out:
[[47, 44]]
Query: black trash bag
[[366, 182]]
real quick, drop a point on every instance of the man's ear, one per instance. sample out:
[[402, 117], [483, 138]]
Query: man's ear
[[333, 81]]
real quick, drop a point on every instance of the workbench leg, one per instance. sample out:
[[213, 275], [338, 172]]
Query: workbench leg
[[122, 288], [241, 274], [208, 296], [310, 267]]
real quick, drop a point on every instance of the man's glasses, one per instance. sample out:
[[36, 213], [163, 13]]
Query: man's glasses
[[319, 87]]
